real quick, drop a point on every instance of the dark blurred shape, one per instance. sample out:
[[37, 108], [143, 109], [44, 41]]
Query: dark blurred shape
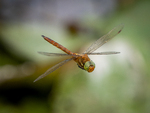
[[15, 94], [75, 28]]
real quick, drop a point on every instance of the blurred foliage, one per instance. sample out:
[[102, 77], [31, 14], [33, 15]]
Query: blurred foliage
[[124, 87]]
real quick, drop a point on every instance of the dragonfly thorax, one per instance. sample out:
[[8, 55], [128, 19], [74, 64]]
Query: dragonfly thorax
[[84, 62]]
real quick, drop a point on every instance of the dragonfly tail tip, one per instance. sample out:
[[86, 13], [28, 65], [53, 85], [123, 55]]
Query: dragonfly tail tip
[[43, 36]]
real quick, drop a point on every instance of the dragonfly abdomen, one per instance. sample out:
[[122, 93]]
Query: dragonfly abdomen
[[57, 45]]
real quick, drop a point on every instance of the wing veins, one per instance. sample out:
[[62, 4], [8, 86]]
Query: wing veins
[[55, 54], [103, 53], [104, 39], [50, 70]]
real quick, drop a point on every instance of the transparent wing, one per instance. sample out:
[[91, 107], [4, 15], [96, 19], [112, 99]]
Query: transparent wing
[[103, 53], [104, 39], [55, 54], [53, 69]]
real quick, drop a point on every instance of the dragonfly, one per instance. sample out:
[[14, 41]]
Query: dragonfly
[[82, 59]]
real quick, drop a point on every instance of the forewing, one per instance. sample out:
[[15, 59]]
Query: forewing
[[103, 53], [104, 39], [53, 69], [55, 54]]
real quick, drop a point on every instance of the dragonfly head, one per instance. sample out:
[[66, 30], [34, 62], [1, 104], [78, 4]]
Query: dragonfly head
[[89, 66]]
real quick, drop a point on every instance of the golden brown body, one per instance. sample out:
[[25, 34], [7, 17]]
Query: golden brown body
[[82, 60]]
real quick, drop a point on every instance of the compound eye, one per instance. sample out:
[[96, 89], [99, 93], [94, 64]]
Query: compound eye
[[89, 66]]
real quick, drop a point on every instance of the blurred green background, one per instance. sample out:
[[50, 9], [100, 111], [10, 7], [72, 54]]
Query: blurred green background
[[119, 84]]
